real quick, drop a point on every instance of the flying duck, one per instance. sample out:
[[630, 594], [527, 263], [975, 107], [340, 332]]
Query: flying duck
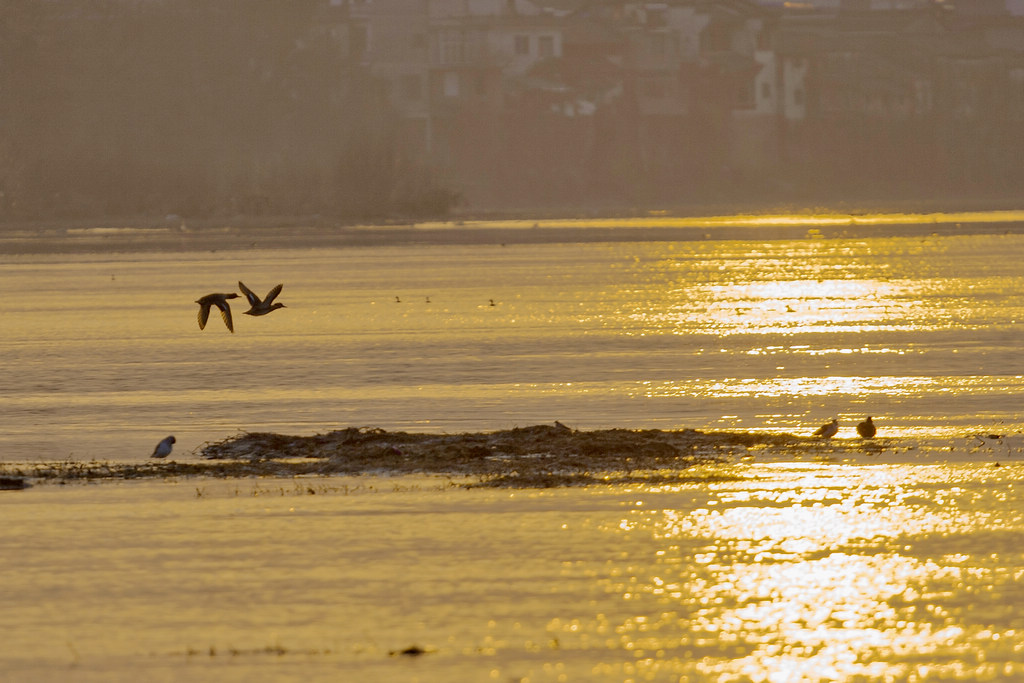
[[828, 430], [163, 449], [257, 307], [866, 429], [221, 302]]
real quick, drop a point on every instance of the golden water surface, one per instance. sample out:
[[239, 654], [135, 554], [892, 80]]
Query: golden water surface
[[102, 357], [795, 572]]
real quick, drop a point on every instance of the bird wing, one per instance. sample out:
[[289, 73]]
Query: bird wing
[[204, 315], [249, 294], [225, 312], [272, 294]]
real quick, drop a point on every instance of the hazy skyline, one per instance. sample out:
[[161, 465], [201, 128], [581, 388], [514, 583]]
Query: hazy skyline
[[172, 108]]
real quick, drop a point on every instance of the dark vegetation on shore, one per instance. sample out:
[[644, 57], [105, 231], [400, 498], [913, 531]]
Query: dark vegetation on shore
[[540, 456]]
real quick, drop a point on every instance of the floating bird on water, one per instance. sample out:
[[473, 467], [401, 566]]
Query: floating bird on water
[[221, 302], [257, 307], [163, 449], [866, 429], [828, 430]]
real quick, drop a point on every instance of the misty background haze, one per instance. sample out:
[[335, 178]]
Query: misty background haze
[[383, 108]]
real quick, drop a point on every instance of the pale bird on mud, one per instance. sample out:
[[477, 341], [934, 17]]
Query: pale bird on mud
[[221, 302], [866, 429], [257, 307], [163, 449], [828, 430]]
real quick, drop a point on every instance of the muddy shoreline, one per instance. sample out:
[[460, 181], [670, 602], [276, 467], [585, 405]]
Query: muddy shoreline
[[145, 236], [541, 456]]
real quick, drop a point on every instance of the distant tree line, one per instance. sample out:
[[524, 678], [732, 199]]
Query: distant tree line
[[193, 108]]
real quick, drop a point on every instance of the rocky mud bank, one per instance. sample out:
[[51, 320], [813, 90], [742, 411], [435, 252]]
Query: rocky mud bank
[[529, 457]]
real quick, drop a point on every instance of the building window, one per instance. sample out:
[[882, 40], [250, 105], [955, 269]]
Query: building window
[[657, 17], [654, 89], [522, 45], [412, 88], [745, 96], [450, 85], [451, 48], [763, 41], [715, 39], [359, 41], [657, 43], [546, 46]]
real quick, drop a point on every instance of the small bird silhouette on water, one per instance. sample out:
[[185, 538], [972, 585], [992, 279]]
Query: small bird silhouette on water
[[257, 307], [221, 302], [828, 430], [163, 449], [866, 429]]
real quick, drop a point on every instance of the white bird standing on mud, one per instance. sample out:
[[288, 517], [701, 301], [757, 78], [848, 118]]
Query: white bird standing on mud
[[828, 430], [163, 449]]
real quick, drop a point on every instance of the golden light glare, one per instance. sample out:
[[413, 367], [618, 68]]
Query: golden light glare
[[818, 573], [896, 386], [809, 219]]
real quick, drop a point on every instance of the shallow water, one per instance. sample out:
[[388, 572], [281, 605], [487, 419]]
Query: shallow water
[[889, 565], [814, 571], [102, 357]]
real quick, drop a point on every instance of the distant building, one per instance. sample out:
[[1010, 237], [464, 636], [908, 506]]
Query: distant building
[[684, 90]]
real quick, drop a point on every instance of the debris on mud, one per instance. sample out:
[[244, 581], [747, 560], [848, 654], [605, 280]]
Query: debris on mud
[[529, 457], [13, 483]]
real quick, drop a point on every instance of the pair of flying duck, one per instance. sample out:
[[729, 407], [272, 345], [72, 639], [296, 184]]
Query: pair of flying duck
[[865, 429], [256, 305]]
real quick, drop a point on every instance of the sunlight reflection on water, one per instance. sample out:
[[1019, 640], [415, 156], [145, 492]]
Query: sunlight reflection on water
[[836, 574], [790, 572], [851, 567], [101, 353]]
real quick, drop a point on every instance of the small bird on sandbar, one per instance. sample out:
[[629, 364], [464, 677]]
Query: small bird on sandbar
[[221, 302], [163, 449], [867, 429], [257, 307], [828, 430]]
